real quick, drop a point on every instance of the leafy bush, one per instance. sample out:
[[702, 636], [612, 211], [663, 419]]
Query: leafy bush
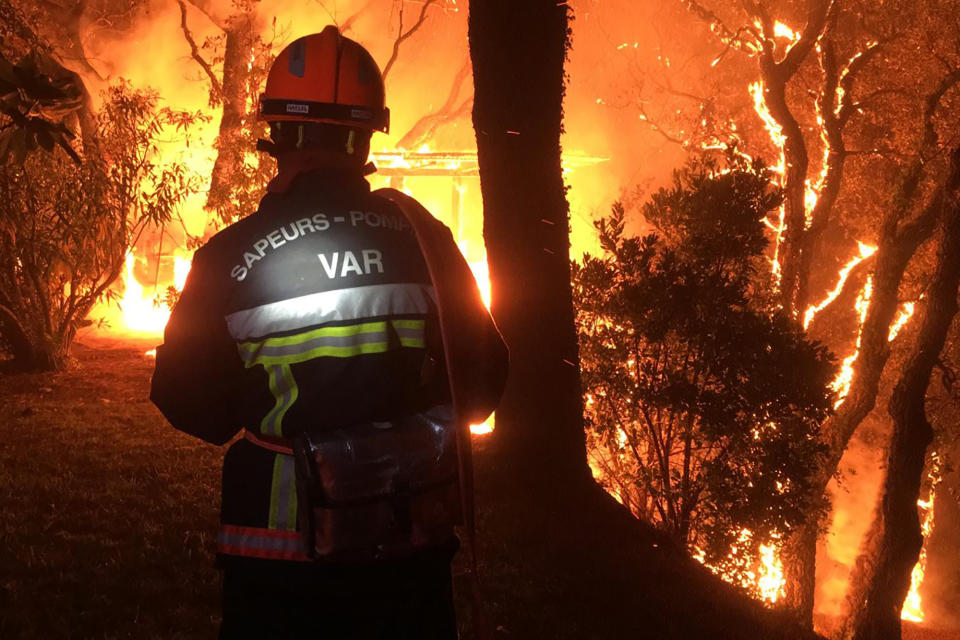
[[65, 227], [703, 401]]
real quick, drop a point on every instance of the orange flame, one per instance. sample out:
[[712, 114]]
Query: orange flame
[[913, 604], [765, 578], [482, 275], [866, 251]]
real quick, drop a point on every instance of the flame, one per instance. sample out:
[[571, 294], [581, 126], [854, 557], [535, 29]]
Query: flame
[[779, 140], [774, 130], [765, 577], [865, 251], [780, 30], [481, 274], [913, 604], [845, 378], [906, 312], [141, 311], [771, 581]]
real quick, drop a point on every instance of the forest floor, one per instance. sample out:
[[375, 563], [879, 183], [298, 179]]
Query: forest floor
[[109, 514]]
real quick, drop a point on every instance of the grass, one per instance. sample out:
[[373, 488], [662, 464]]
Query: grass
[[109, 513]]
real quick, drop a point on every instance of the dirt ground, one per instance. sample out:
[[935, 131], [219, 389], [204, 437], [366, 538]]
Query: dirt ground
[[108, 513]]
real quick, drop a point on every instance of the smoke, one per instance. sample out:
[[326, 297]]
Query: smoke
[[853, 498], [941, 589]]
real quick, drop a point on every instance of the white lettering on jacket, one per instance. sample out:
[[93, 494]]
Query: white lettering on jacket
[[341, 264], [346, 264]]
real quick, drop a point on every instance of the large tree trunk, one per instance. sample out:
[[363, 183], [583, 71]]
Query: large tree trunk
[[518, 54], [877, 605], [241, 35]]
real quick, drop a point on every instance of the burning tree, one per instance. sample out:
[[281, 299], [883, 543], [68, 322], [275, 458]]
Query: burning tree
[[239, 176], [850, 97], [703, 403], [65, 227]]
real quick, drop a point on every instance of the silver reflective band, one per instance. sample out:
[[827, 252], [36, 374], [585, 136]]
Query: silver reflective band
[[267, 543], [355, 303]]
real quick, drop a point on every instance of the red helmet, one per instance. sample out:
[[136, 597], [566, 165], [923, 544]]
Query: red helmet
[[326, 77]]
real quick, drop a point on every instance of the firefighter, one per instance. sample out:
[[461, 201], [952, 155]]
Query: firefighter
[[331, 310]]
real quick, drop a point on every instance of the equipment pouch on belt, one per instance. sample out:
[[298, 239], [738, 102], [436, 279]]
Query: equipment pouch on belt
[[380, 489]]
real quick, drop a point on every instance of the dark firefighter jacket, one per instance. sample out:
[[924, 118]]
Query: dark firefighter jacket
[[317, 312]]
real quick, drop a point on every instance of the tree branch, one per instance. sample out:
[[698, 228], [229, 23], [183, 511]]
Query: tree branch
[[426, 126], [195, 53], [401, 35], [348, 23], [733, 39], [817, 18]]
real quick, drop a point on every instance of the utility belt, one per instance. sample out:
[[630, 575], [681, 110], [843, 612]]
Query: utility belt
[[376, 490]]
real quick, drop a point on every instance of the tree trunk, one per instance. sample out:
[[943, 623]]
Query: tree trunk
[[29, 352], [240, 38], [897, 245], [794, 185], [518, 54], [878, 605]]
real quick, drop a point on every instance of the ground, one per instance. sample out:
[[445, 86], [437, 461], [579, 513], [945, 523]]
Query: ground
[[109, 514]]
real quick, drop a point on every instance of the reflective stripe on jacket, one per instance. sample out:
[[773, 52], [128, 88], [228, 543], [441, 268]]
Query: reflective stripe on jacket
[[314, 313]]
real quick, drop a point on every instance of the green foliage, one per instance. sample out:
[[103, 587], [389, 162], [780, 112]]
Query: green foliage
[[33, 106], [703, 403], [65, 227]]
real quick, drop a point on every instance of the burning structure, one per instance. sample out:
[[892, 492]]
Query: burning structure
[[819, 89]]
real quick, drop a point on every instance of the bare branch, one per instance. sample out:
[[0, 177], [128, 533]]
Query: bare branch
[[206, 8], [817, 19], [426, 126], [195, 52], [733, 39], [348, 23], [931, 104], [401, 35], [848, 78]]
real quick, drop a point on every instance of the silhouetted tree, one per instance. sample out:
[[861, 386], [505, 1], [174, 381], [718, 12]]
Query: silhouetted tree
[[704, 402], [65, 227]]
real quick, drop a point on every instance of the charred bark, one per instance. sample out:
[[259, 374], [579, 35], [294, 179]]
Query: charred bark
[[900, 237], [518, 120], [776, 75], [877, 603], [896, 247]]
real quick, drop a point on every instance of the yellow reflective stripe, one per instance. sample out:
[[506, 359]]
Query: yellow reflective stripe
[[283, 494], [332, 352], [323, 332], [285, 391], [335, 342]]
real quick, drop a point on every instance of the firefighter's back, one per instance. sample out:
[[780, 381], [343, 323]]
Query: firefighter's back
[[330, 297]]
